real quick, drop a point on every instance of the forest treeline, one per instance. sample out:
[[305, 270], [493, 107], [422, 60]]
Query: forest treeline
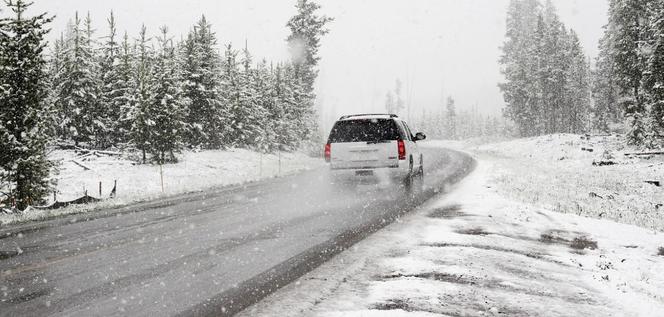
[[156, 95], [550, 87]]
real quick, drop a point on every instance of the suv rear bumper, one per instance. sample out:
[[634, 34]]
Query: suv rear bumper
[[366, 174]]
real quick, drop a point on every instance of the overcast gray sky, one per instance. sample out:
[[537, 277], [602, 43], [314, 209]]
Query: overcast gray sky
[[434, 46]]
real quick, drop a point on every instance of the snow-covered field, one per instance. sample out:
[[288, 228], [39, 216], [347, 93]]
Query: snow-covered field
[[195, 171], [555, 172], [484, 250]]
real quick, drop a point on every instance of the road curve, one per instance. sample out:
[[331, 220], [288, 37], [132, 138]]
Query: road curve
[[203, 254]]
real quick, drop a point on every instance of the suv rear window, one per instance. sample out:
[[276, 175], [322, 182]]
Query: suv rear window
[[365, 130]]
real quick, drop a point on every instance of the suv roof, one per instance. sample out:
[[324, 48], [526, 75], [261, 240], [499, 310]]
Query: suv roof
[[369, 116]]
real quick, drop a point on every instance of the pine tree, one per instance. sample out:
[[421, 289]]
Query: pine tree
[[285, 103], [24, 131], [390, 104], [307, 28], [518, 61], [112, 89], [124, 92], [262, 87], [451, 119], [252, 112], [398, 99], [626, 21], [77, 91], [653, 81], [231, 92], [546, 72], [166, 109], [206, 117], [577, 88], [100, 127], [605, 92], [55, 66], [142, 118]]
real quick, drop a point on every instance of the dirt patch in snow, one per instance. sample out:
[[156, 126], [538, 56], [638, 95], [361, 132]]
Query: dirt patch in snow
[[448, 212], [473, 231], [437, 276], [395, 304], [490, 283], [582, 243], [532, 255], [579, 242]]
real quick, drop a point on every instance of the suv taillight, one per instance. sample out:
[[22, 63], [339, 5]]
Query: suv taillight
[[402, 150], [328, 152]]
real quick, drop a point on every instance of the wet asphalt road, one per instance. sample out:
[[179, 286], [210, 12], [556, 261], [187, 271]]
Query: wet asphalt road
[[205, 254]]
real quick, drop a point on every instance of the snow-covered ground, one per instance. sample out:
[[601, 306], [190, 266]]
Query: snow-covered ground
[[557, 173], [485, 251], [195, 171]]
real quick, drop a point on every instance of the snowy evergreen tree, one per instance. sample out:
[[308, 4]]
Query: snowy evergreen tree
[[206, 116], [394, 103], [97, 111], [123, 90], [250, 116], [166, 111], [77, 93], [606, 108], [262, 88], [231, 92], [576, 88], [399, 104], [653, 79], [390, 104], [307, 28], [626, 19], [286, 103], [112, 89], [142, 118], [519, 65], [23, 108], [451, 116], [547, 86]]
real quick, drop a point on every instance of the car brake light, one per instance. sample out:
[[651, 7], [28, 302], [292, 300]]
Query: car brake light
[[402, 150], [328, 152]]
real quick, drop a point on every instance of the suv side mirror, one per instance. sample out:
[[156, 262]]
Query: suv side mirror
[[420, 136]]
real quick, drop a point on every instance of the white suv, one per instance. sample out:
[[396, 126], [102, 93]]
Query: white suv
[[373, 145]]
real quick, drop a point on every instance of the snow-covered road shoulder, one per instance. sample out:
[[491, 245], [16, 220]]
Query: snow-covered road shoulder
[[195, 171], [475, 252]]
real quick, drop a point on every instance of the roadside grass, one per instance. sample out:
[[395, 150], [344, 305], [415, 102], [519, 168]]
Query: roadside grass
[[555, 172]]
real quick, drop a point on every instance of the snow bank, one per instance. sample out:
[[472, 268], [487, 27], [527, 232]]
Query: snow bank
[[565, 173], [194, 172]]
